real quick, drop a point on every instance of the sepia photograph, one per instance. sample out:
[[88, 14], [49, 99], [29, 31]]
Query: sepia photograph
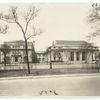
[[49, 49]]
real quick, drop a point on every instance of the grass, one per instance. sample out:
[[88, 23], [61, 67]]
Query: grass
[[56, 71]]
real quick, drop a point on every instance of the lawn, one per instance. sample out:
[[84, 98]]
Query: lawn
[[56, 71]]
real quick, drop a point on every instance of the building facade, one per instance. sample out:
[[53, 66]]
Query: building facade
[[68, 52], [72, 52], [41, 56], [17, 52]]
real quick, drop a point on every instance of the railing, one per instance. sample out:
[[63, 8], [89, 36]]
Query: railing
[[95, 66]]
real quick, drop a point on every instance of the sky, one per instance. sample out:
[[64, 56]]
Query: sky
[[59, 21]]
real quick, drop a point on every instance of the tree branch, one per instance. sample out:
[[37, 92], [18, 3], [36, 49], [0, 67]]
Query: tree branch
[[35, 33], [7, 21], [15, 17], [21, 28], [30, 16]]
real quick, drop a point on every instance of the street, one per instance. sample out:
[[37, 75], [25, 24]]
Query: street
[[75, 85]]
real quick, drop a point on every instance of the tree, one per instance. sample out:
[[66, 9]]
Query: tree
[[94, 19], [24, 21], [5, 49]]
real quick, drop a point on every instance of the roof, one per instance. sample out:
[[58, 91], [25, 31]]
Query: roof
[[40, 52], [17, 41], [69, 43]]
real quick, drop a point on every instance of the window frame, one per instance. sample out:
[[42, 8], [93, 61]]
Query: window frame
[[72, 56]]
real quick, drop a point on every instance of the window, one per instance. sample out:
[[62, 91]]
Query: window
[[43, 59], [72, 56], [25, 59], [39, 59], [21, 47], [59, 56], [16, 59], [54, 58], [77, 56], [24, 52], [83, 56], [29, 47]]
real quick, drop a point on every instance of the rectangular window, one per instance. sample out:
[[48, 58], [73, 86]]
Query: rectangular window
[[72, 56], [16, 59], [83, 56], [77, 56]]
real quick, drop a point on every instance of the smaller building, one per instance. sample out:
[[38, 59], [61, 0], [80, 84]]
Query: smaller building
[[41, 56], [72, 52]]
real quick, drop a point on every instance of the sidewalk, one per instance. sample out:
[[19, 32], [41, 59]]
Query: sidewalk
[[51, 76], [14, 74]]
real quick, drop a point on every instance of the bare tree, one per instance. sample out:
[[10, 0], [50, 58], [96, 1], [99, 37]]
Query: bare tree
[[94, 19], [24, 21]]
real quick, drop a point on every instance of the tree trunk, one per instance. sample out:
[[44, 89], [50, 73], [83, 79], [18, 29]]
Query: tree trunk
[[5, 60], [27, 59], [50, 61]]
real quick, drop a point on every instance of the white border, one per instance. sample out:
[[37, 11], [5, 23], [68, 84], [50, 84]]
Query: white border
[[49, 1]]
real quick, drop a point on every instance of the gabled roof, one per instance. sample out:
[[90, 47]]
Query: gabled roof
[[70, 43]]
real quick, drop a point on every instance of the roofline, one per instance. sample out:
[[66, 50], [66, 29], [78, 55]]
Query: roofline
[[15, 41]]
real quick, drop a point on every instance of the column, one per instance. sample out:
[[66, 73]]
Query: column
[[64, 54], [75, 56], [0, 56], [80, 56]]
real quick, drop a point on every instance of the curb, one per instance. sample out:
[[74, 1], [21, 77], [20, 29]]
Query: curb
[[50, 76]]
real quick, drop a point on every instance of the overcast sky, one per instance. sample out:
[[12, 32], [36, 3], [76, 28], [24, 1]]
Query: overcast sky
[[59, 21]]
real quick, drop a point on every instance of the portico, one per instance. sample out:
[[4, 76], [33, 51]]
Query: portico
[[73, 52]]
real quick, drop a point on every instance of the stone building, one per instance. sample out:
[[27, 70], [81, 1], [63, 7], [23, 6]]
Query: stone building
[[72, 52], [17, 52], [61, 51], [41, 56]]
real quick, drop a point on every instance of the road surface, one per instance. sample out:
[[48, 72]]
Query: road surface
[[75, 85]]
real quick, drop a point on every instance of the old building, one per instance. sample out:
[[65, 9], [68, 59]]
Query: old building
[[17, 52], [72, 52], [41, 56], [67, 52]]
